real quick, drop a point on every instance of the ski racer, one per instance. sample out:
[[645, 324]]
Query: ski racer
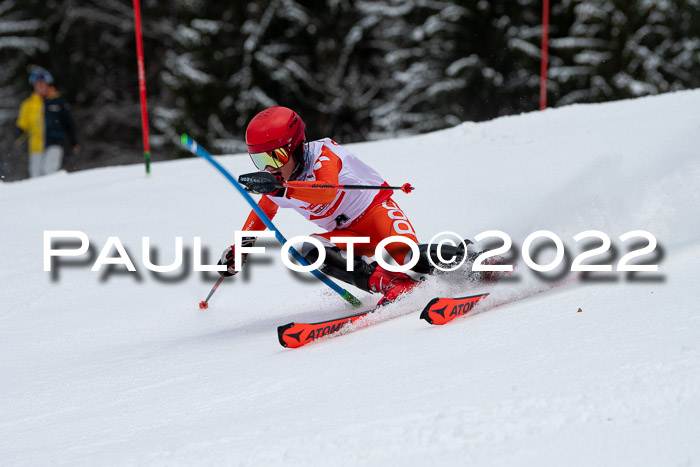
[[277, 145]]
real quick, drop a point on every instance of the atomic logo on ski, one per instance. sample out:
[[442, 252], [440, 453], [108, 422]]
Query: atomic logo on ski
[[438, 311], [441, 311], [444, 310], [295, 335]]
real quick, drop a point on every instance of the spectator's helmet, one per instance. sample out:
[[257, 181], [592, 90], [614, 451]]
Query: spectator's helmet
[[274, 135], [40, 75]]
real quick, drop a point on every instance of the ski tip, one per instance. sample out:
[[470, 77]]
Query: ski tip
[[280, 333], [203, 305], [425, 314], [183, 139]]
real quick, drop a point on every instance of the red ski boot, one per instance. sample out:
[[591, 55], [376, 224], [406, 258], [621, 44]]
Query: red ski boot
[[391, 284]]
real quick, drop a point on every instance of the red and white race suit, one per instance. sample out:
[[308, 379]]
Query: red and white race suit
[[343, 213]]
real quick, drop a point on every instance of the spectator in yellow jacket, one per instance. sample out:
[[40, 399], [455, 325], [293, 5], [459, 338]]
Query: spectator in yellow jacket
[[47, 121]]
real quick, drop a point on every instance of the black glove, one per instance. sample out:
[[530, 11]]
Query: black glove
[[228, 257], [264, 183]]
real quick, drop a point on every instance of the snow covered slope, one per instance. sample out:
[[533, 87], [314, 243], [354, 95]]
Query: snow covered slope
[[121, 368]]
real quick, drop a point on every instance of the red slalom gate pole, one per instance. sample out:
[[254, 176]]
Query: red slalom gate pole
[[545, 49], [406, 187], [142, 87]]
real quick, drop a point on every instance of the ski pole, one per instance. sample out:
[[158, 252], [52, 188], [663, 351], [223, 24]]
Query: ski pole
[[205, 303], [406, 187], [199, 151]]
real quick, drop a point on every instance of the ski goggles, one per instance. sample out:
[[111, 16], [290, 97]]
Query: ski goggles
[[276, 158]]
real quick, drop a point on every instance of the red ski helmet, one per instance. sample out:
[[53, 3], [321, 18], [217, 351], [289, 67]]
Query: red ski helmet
[[273, 135]]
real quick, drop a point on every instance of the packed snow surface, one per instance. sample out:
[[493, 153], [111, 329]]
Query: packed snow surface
[[117, 367]]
